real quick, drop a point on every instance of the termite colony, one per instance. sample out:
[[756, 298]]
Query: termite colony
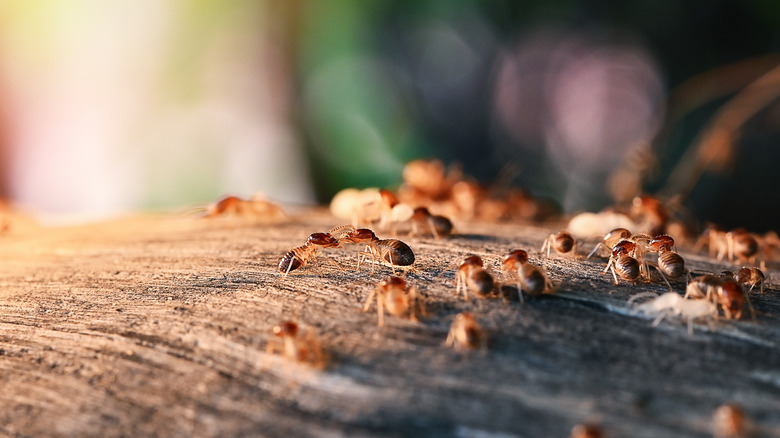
[[632, 253], [392, 294], [431, 197], [639, 249], [396, 296], [637, 244]]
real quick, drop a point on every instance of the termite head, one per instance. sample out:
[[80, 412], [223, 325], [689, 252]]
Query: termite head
[[394, 282], [615, 236], [421, 213], [472, 261], [623, 247], [287, 328], [360, 235], [322, 239], [389, 199], [515, 259], [662, 242]]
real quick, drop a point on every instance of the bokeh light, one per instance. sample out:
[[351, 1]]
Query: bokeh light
[[126, 106]]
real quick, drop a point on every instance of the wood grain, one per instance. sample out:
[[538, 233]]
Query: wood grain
[[157, 326]]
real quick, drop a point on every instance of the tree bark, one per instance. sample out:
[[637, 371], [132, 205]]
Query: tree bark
[[158, 326]]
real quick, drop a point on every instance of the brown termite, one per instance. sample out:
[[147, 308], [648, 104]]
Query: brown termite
[[662, 240], [622, 264], [610, 239], [716, 241], [392, 251], [423, 222], [741, 245], [530, 278], [769, 242], [473, 277], [256, 207], [731, 298], [704, 286], [466, 334], [751, 277], [724, 291], [729, 421], [297, 346], [397, 298], [650, 213], [670, 264], [562, 243], [300, 256]]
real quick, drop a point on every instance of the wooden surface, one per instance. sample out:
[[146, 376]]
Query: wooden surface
[[158, 327]]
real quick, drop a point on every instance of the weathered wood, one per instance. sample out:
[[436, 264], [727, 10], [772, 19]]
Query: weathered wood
[[158, 326]]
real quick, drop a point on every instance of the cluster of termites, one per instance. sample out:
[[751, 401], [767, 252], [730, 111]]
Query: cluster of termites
[[472, 278], [392, 294], [430, 197], [397, 297], [453, 194], [649, 255], [706, 296], [739, 245], [630, 257], [382, 209], [391, 251]]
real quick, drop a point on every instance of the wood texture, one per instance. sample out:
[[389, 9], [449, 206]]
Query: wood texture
[[158, 326]]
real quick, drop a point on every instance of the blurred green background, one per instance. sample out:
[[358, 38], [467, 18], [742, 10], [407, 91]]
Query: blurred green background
[[109, 107]]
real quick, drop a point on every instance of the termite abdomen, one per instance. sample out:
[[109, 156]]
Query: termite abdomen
[[289, 262], [396, 252]]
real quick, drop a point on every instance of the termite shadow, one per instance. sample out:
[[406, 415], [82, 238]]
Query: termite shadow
[[476, 237]]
